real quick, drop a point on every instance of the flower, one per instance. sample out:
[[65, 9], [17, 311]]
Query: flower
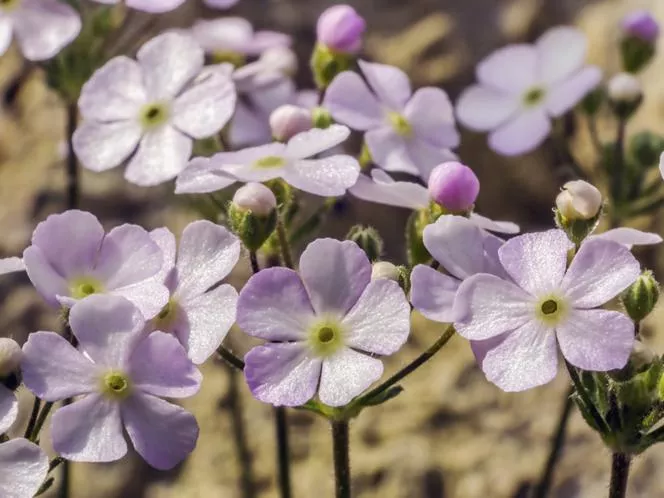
[[579, 200], [520, 321], [340, 28], [149, 112], [288, 120], [122, 373], [255, 197], [624, 87], [381, 188], [72, 258], [629, 237], [199, 312], [404, 131], [152, 6], [454, 186], [322, 325], [641, 24], [42, 27], [10, 356], [463, 249], [220, 4], [330, 176], [521, 87], [11, 265]]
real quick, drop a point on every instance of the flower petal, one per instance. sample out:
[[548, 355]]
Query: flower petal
[[494, 226], [425, 157], [380, 320], [44, 277], [330, 176], [165, 239], [347, 374], [601, 270], [561, 52], [522, 359], [335, 274], [154, 6], [243, 163], [389, 83], [315, 141], [431, 115], [521, 134], [103, 146], [23, 468], [596, 340], [53, 369], [350, 102], [164, 434], [274, 305], [536, 261], [89, 430], [282, 374], [114, 92], [149, 296], [162, 154], [202, 177], [481, 108], [389, 150], [11, 265], [511, 69], [566, 94], [250, 126], [433, 294], [408, 195], [205, 107], [8, 409], [629, 237], [494, 306], [169, 61], [208, 252], [6, 35]]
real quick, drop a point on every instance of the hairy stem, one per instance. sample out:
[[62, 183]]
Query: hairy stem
[[619, 475], [253, 258]]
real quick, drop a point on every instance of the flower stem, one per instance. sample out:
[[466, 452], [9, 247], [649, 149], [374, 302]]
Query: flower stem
[[33, 418], [240, 437], [619, 475], [283, 451], [72, 163], [253, 258], [341, 450], [230, 358], [583, 394], [557, 443], [283, 242], [40, 421], [617, 177]]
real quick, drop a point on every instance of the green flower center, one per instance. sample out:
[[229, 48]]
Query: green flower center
[[85, 286], [116, 385], [167, 316], [551, 310], [326, 337], [534, 97], [235, 58], [9, 5], [400, 124], [270, 162], [154, 115]]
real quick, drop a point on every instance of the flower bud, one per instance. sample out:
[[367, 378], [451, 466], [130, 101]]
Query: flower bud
[[640, 32], [255, 197], [579, 200], [641, 24], [252, 214], [624, 88], [641, 297], [340, 28], [646, 148], [368, 239], [386, 270], [321, 118], [288, 120], [10, 356], [454, 186]]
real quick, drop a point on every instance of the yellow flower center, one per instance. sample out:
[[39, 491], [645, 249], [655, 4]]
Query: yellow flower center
[[154, 115], [85, 286], [116, 385], [400, 124], [270, 162], [326, 337], [167, 316], [534, 97], [551, 310], [235, 58]]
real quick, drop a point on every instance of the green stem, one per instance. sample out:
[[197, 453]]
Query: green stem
[[283, 242], [72, 163], [594, 135], [253, 258], [620, 463], [618, 173], [230, 358], [583, 394], [341, 451], [240, 437], [46, 409], [283, 451], [33, 418]]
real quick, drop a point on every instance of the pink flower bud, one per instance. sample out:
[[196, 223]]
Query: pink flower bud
[[288, 120], [10, 356], [255, 197], [454, 186], [340, 28], [641, 24]]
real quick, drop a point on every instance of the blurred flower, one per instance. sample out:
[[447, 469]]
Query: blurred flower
[[629, 237], [324, 326], [579, 200], [288, 120], [404, 131], [200, 312], [519, 321], [255, 197], [10, 356], [42, 27], [11, 265], [330, 176], [385, 269], [220, 4], [624, 87], [521, 87], [23, 468], [641, 24], [340, 28], [122, 373], [454, 186], [149, 112], [72, 258], [152, 6]]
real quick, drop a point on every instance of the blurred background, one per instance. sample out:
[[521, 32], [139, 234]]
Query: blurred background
[[450, 434]]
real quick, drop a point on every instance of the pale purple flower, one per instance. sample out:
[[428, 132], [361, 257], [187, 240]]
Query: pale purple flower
[[628, 237], [220, 4], [323, 326], [288, 120], [42, 27], [329, 176], [522, 87], [149, 111], [152, 6], [8, 409], [122, 374], [641, 24], [381, 188], [11, 265], [200, 312], [235, 35], [405, 131], [520, 322], [463, 250], [340, 28], [71, 258], [454, 186]]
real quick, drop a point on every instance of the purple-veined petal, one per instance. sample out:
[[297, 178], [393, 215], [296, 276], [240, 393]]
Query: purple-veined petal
[[408, 195], [494, 306], [149, 296], [154, 6], [43, 276], [328, 177], [8, 409], [23, 468], [164, 434], [390, 151], [522, 359], [431, 115], [335, 274], [284, 374], [565, 95], [536, 261], [207, 254], [315, 141], [350, 102], [601, 270], [389, 83], [629, 237], [103, 146], [202, 177], [511, 69], [494, 226], [482, 108], [521, 134], [159, 366], [561, 52], [380, 320], [89, 430], [165, 239], [53, 369], [433, 294], [347, 374], [274, 305], [596, 340]]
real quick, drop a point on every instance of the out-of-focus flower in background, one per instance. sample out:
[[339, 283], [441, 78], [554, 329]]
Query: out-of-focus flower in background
[[340, 28]]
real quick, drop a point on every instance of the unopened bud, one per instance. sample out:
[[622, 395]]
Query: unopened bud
[[640, 32], [641, 24], [321, 118], [368, 239], [579, 200], [255, 197], [385, 269], [252, 214], [454, 186], [642, 356], [10, 357], [326, 64], [646, 148], [340, 28], [288, 120], [625, 88], [641, 297]]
